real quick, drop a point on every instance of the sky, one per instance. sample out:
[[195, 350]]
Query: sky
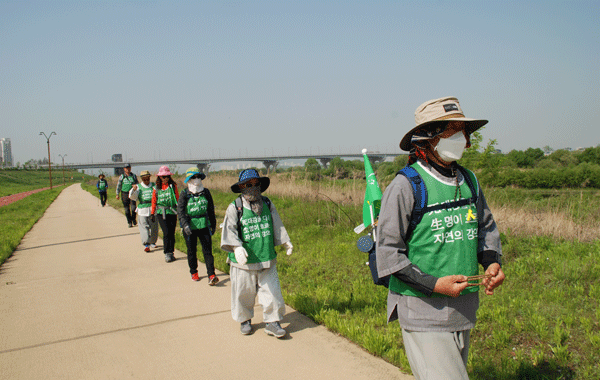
[[205, 79]]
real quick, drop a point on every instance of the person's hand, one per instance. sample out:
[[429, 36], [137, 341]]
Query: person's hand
[[288, 247], [134, 187], [495, 281], [152, 218], [187, 230], [451, 285], [241, 256], [117, 197]]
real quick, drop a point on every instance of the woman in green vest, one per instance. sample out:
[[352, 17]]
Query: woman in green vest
[[142, 193], [164, 207], [430, 266], [197, 220]]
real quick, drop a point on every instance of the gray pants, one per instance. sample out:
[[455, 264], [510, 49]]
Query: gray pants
[[437, 355], [148, 230], [247, 284]]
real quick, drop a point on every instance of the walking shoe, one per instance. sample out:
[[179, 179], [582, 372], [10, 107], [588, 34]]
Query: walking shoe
[[130, 225], [169, 257], [147, 248], [134, 223], [152, 246], [212, 280], [274, 328], [195, 277], [246, 328]]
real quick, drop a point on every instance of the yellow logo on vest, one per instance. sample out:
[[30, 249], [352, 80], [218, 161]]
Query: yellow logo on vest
[[470, 215]]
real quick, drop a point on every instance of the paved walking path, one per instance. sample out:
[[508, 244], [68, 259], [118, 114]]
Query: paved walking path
[[79, 299]]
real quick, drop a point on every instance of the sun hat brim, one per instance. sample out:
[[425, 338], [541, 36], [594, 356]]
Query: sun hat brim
[[264, 184], [189, 175], [471, 125]]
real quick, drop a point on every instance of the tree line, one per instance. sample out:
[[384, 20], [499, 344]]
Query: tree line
[[530, 168]]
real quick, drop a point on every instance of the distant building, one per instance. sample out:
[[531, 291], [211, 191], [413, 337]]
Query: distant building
[[5, 153]]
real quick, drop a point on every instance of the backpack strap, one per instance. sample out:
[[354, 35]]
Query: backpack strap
[[239, 208], [420, 195]]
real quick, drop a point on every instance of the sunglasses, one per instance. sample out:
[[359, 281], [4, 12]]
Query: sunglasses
[[251, 183], [195, 177]]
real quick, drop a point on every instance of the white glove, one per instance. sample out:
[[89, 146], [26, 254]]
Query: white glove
[[288, 246], [241, 256]]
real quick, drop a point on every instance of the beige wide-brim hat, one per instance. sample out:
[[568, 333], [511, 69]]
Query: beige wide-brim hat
[[439, 111]]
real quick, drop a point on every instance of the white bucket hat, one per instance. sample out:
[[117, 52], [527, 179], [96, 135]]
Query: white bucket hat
[[439, 111]]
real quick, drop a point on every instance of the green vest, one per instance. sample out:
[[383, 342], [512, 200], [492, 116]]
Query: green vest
[[197, 207], [257, 236], [102, 185], [127, 183], [445, 241], [145, 195], [165, 200]]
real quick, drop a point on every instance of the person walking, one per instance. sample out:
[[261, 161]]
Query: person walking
[[251, 229], [126, 181], [102, 186], [164, 200], [197, 220], [142, 194], [431, 264]]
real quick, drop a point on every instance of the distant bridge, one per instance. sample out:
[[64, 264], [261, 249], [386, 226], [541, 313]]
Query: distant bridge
[[270, 162]]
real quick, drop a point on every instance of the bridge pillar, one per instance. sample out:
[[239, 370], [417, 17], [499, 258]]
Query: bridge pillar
[[270, 164], [325, 161], [203, 167]]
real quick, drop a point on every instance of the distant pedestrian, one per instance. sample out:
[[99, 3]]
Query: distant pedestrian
[[251, 230], [142, 193], [164, 203], [126, 181], [197, 220], [102, 186]]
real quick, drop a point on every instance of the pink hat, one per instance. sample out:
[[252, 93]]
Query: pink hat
[[164, 171]]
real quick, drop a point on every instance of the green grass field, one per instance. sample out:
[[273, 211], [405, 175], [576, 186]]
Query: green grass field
[[543, 323]]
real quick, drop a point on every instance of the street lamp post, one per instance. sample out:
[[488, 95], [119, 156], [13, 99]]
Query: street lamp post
[[49, 165], [63, 160]]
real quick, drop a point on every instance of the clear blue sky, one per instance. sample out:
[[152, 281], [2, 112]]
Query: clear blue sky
[[173, 79]]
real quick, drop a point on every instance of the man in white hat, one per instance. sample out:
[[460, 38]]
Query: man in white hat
[[431, 264]]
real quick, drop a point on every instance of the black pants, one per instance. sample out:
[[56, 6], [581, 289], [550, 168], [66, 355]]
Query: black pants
[[205, 240], [103, 197], [168, 228], [129, 207]]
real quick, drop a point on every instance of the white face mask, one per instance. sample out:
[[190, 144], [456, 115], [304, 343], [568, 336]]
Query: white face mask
[[451, 148], [195, 185]]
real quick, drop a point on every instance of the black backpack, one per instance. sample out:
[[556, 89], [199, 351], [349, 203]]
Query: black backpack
[[366, 243]]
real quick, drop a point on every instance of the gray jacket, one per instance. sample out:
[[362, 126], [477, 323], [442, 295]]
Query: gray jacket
[[425, 313]]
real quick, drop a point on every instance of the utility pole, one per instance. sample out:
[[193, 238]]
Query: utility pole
[[63, 160], [49, 164]]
